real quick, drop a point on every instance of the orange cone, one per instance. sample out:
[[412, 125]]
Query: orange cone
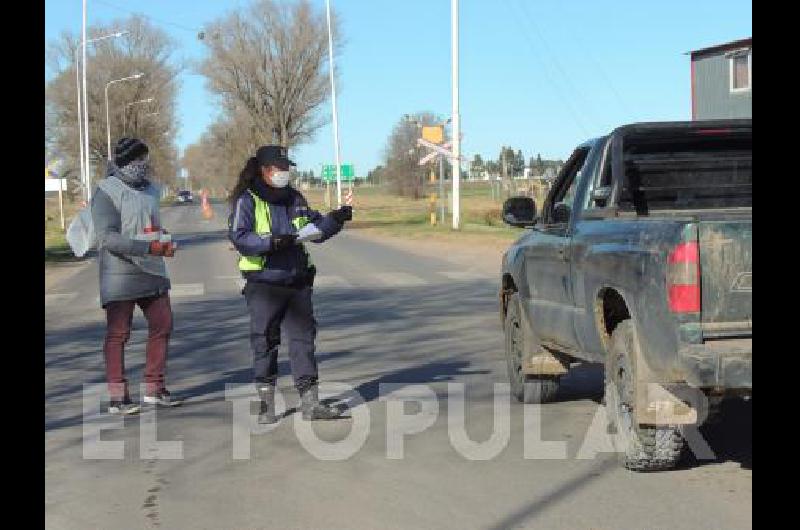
[[205, 207]]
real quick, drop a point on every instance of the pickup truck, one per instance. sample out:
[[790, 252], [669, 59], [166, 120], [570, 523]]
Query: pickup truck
[[641, 259]]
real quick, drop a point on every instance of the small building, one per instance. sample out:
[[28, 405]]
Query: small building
[[722, 81]]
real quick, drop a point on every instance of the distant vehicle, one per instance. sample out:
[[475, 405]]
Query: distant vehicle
[[184, 197], [641, 259]]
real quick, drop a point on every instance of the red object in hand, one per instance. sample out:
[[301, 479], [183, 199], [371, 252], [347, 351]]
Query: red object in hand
[[157, 248]]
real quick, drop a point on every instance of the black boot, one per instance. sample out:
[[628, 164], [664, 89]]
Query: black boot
[[267, 412], [314, 410]]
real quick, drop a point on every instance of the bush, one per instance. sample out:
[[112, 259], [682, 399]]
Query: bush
[[492, 216]]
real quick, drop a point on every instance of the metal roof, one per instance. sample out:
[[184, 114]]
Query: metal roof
[[741, 43]]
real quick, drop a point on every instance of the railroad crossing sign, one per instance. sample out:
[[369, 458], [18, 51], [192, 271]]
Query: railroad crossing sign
[[432, 155], [436, 150], [433, 133]]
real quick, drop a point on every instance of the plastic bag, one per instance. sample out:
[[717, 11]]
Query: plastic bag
[[80, 234]]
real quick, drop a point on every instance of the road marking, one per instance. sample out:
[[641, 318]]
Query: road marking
[[330, 280], [187, 289], [58, 297], [400, 279], [465, 275]]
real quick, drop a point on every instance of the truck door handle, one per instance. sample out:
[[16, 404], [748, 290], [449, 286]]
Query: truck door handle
[[562, 253]]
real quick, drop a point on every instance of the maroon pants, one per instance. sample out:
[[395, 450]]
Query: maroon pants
[[119, 316]]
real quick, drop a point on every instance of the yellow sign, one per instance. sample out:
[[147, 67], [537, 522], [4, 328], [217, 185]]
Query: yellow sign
[[433, 133]]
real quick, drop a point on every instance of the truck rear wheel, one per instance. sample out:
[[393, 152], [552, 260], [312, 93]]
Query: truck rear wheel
[[644, 447], [525, 388]]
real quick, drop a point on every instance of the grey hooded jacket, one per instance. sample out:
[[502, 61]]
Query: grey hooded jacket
[[120, 213]]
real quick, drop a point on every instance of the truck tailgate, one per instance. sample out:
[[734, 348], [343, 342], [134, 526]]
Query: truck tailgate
[[726, 265]]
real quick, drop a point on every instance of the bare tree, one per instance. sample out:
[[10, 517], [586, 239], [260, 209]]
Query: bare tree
[[145, 49], [270, 62], [402, 169]]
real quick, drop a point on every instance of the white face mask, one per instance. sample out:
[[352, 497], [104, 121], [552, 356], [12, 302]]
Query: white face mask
[[280, 179]]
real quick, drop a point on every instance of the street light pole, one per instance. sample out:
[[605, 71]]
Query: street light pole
[[456, 118], [86, 168], [333, 102], [87, 183], [125, 112], [108, 120], [80, 117]]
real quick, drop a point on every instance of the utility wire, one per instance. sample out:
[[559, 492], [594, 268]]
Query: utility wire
[[587, 50], [587, 108], [154, 19], [550, 78]]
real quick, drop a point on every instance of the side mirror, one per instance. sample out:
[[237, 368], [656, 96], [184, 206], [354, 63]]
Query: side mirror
[[519, 212], [561, 213]]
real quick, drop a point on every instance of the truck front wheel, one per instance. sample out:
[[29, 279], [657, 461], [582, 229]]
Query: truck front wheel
[[525, 388], [642, 447]]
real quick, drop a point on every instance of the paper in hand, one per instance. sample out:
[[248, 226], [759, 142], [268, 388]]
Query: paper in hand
[[310, 232]]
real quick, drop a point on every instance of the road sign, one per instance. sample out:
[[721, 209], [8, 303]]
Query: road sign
[[438, 149], [55, 184], [433, 133], [430, 156], [329, 172], [59, 185]]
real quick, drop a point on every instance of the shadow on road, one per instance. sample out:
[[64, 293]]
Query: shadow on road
[[731, 438], [525, 514], [398, 335]]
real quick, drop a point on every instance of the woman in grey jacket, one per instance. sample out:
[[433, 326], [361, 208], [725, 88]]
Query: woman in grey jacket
[[131, 249]]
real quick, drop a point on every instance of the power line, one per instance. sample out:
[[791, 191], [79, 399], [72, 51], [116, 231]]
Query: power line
[[551, 79], [554, 59], [587, 51], [154, 19]]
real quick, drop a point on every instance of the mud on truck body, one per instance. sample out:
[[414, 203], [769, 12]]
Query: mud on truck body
[[641, 259]]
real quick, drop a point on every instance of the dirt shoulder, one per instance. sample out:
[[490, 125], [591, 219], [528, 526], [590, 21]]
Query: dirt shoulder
[[470, 251]]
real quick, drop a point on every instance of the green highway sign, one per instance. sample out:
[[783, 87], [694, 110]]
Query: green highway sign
[[329, 172]]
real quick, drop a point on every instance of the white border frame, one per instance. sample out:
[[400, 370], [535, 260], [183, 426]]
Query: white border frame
[[749, 86]]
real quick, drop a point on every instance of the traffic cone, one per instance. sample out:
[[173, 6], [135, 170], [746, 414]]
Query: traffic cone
[[205, 207]]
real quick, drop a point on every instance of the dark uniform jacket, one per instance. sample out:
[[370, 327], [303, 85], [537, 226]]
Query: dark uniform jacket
[[288, 266]]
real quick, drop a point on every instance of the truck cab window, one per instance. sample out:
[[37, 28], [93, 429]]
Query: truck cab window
[[565, 188]]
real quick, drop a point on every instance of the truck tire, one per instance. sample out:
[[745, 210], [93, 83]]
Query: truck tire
[[529, 389], [644, 447]]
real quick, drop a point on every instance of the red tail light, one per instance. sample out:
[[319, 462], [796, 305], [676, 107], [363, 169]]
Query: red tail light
[[683, 278]]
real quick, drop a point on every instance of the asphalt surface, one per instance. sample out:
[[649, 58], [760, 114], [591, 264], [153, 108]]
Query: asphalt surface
[[385, 317]]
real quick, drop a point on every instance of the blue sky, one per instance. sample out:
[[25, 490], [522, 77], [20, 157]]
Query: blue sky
[[540, 75]]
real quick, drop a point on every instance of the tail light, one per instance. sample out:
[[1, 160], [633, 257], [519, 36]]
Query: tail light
[[683, 278]]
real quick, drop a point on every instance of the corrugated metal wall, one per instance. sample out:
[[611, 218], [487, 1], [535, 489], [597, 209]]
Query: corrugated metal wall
[[713, 98]]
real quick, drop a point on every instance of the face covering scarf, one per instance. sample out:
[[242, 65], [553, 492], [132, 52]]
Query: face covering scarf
[[135, 173]]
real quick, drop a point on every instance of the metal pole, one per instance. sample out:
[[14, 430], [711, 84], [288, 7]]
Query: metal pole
[[80, 117], [333, 103], [441, 188], [61, 201], [88, 182], [108, 123], [456, 163]]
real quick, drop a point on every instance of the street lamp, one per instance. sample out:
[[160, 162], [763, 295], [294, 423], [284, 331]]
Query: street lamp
[[108, 121], [125, 112], [84, 153]]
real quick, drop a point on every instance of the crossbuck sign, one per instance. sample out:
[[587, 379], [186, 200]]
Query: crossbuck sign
[[436, 150]]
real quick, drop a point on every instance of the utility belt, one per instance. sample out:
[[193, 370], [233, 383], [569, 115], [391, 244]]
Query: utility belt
[[300, 281]]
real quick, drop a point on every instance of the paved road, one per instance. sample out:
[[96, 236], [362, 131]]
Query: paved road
[[385, 316]]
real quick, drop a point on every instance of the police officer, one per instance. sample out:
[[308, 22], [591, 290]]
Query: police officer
[[266, 216]]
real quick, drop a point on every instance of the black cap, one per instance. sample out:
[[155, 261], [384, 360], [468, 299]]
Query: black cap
[[272, 154], [127, 150]]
